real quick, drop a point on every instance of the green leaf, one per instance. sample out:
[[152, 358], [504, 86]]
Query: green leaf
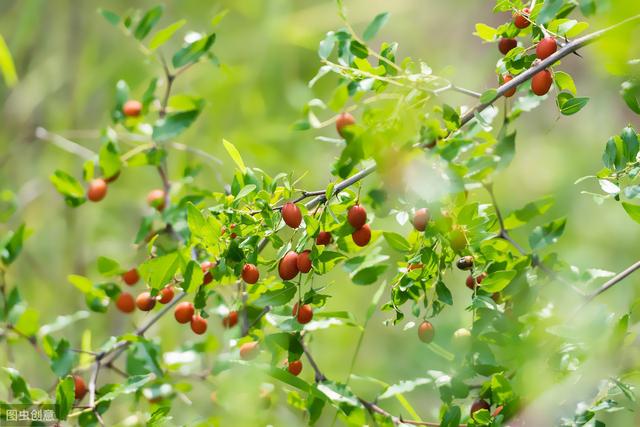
[[65, 396], [632, 210], [159, 271], [132, 385], [485, 32], [173, 124], [19, 387], [219, 17], [505, 148], [630, 143], [444, 294], [109, 159], [108, 267], [547, 234], [396, 241], [148, 21], [192, 277], [451, 418], [564, 81], [325, 48], [488, 95], [497, 280], [191, 52], [7, 66], [549, 10], [368, 275], [142, 359], [375, 25], [572, 105], [587, 7], [163, 35], [235, 155], [630, 91], [12, 245], [277, 297], [358, 49], [525, 214], [69, 187], [111, 17], [62, 358]]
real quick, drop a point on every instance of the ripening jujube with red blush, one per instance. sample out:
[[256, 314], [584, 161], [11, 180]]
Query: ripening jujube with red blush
[[125, 302], [206, 267], [291, 215], [132, 108], [344, 120], [519, 19], [145, 301], [506, 79], [249, 350], [426, 332], [323, 238], [250, 273], [541, 82], [156, 199], [303, 313], [97, 190], [471, 282], [80, 387], [131, 277], [478, 405], [295, 367], [198, 324], [357, 216], [304, 261], [506, 44], [420, 219], [184, 312], [288, 266], [166, 295], [546, 47], [362, 237], [230, 320]]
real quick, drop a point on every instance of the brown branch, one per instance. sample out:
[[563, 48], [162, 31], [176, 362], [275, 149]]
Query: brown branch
[[319, 376], [614, 280], [565, 50]]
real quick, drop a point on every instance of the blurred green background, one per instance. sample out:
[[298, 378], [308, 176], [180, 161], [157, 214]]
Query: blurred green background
[[69, 59]]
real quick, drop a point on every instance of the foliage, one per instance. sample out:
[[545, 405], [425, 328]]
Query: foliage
[[198, 241]]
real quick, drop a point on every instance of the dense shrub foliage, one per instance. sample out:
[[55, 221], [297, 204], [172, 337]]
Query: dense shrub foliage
[[255, 255]]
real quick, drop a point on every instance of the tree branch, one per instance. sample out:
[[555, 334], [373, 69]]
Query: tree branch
[[567, 49], [614, 280]]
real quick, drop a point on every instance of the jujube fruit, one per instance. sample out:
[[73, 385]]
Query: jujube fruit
[[471, 282], [304, 261], [357, 216], [206, 266], [481, 277], [506, 44], [112, 178], [324, 238], [291, 215], [125, 302], [420, 219], [80, 387], [198, 324], [426, 332], [288, 266], [145, 301], [303, 314], [249, 350], [506, 79], [156, 199], [541, 82], [362, 237], [458, 240], [132, 108], [478, 405], [230, 320], [97, 190], [519, 19], [344, 120], [465, 263], [166, 295], [295, 367], [131, 277], [546, 47], [184, 312], [250, 273]]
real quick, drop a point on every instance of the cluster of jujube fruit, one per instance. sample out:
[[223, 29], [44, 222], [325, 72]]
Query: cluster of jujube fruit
[[541, 82]]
